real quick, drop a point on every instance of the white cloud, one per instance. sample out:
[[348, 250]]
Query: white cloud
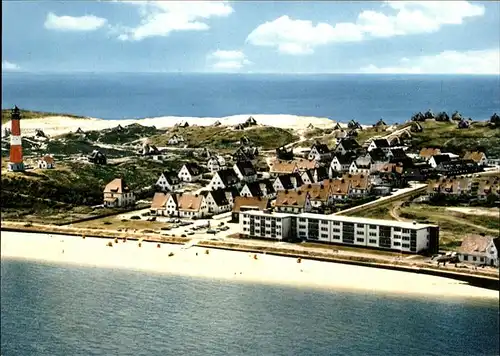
[[71, 23], [447, 62], [397, 18], [228, 60], [300, 37], [160, 18], [9, 66]]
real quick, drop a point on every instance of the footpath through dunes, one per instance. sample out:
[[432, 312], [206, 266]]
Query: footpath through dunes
[[223, 264]]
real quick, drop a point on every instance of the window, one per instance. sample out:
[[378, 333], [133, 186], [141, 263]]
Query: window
[[397, 243], [301, 226], [406, 245], [324, 236], [474, 258], [336, 223], [302, 219], [406, 238], [373, 234], [406, 231], [374, 227], [481, 259], [360, 240], [397, 236], [324, 229], [360, 232], [361, 226], [336, 230], [372, 241], [397, 229], [466, 257], [245, 222]]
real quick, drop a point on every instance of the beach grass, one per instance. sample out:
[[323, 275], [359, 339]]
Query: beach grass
[[30, 114]]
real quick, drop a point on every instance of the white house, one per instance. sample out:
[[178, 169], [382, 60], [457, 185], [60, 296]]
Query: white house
[[381, 143], [478, 249], [191, 205], [478, 157], [190, 172], [164, 204], [263, 189], [117, 194], [347, 145], [290, 201], [314, 175], [435, 160], [287, 181], [340, 164], [216, 163], [319, 152], [245, 171], [217, 201], [169, 182], [223, 179], [46, 162], [360, 167], [175, 139]]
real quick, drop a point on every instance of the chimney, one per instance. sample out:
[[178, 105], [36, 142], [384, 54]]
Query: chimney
[[16, 148]]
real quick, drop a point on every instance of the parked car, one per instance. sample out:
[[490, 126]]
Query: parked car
[[135, 217], [211, 231], [224, 228], [183, 235], [190, 233]]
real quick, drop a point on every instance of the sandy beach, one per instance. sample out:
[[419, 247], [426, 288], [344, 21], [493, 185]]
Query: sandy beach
[[228, 265], [57, 125]]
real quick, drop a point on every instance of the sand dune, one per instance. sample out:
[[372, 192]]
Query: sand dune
[[229, 265], [56, 125]]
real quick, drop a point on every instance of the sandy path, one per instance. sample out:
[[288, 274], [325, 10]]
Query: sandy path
[[229, 265]]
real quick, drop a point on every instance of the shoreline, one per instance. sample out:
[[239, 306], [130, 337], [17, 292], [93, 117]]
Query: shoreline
[[229, 264]]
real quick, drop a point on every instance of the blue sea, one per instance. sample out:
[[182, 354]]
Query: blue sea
[[60, 310], [365, 98]]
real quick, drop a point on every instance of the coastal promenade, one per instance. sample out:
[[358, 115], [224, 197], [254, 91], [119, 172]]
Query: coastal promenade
[[487, 278]]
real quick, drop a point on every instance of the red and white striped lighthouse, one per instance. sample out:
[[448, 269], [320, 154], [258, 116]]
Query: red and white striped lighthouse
[[16, 148]]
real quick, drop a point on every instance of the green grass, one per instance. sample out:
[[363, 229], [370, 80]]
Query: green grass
[[265, 137], [29, 114], [447, 136]]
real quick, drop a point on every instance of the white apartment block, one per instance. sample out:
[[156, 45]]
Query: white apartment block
[[375, 233]]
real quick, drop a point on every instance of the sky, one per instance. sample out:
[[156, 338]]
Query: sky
[[428, 37]]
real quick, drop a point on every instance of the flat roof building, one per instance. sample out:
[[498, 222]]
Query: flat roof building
[[393, 235]]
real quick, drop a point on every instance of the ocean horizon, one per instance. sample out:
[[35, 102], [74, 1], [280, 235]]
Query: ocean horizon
[[341, 97]]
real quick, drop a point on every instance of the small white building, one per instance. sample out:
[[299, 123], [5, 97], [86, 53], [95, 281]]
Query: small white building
[[117, 194], [480, 250], [216, 163], [340, 164], [164, 204], [217, 202], [175, 139], [245, 171], [225, 178], [319, 152], [262, 188], [46, 162], [288, 181], [190, 172], [347, 145], [169, 182], [435, 160], [191, 205], [381, 143], [360, 167]]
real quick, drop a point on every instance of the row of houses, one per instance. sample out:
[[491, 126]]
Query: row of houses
[[480, 188]]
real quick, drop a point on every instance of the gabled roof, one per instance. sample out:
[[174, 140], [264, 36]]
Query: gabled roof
[[189, 202], [291, 198], [303, 164], [228, 176], [348, 158], [321, 172], [475, 244], [428, 152], [286, 180], [377, 154], [317, 191], [96, 153], [159, 200], [475, 156], [398, 153], [219, 197], [337, 186], [321, 148], [117, 185], [246, 168], [48, 159], [357, 181], [193, 168], [349, 144], [257, 202], [441, 158], [171, 178], [381, 143], [257, 188], [279, 166]]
